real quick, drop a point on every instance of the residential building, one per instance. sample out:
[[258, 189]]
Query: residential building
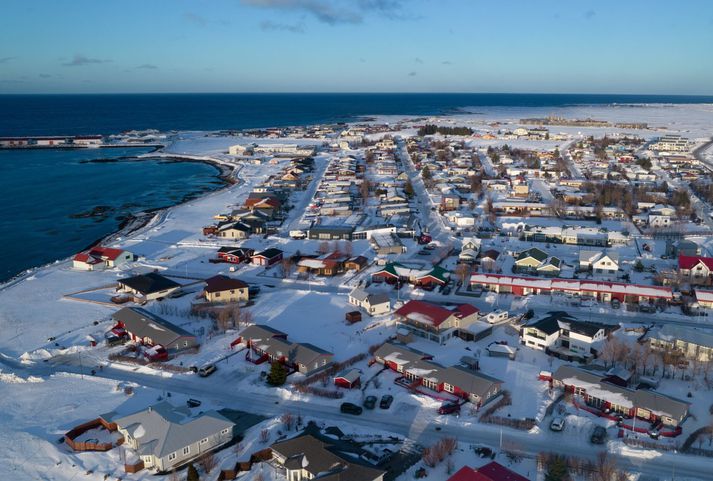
[[418, 367], [434, 322], [151, 330], [267, 257], [101, 257], [537, 261], [563, 336], [375, 304], [599, 263], [696, 269], [225, 289], [600, 290], [493, 471], [693, 344], [148, 287], [271, 344], [395, 272], [330, 232], [166, 437], [605, 396], [306, 457]]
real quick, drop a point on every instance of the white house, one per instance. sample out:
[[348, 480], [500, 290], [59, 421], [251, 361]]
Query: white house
[[602, 263], [374, 304], [564, 336], [165, 436]]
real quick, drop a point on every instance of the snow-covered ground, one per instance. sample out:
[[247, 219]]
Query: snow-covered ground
[[48, 318]]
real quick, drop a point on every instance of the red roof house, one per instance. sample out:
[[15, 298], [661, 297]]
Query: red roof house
[[101, 257], [492, 471], [433, 321], [697, 269]]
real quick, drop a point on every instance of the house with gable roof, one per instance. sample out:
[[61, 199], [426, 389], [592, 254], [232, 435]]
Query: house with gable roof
[[165, 437], [434, 322]]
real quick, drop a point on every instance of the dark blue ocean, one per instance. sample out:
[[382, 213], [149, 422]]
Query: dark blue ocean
[[54, 203], [107, 114], [44, 193]]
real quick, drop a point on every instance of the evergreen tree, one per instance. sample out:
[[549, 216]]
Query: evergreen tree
[[408, 189], [192, 473], [277, 375], [426, 173], [557, 470]]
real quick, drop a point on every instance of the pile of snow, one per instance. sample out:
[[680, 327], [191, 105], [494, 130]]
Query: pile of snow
[[12, 378]]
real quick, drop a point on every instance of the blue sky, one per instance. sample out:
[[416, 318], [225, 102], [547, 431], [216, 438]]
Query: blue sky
[[568, 46]]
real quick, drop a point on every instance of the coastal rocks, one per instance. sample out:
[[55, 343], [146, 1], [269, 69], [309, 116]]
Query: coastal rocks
[[99, 212]]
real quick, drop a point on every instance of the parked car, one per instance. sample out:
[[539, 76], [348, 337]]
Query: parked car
[[598, 435], [483, 451], [370, 402], [423, 252], [648, 308], [557, 424], [349, 408], [449, 408], [207, 370], [446, 290], [615, 303], [193, 403], [430, 247], [386, 401]]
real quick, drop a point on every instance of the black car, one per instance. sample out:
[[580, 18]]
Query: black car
[[370, 402], [386, 401], [598, 435], [193, 403], [349, 408]]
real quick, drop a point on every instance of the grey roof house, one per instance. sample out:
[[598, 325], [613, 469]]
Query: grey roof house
[[165, 436], [306, 457], [148, 328]]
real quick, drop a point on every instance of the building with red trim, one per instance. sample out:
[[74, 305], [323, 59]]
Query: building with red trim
[[492, 471], [696, 270], [101, 257], [435, 322], [601, 290]]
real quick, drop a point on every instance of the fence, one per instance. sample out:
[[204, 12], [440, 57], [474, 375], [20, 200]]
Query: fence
[[522, 424], [240, 466], [72, 434]]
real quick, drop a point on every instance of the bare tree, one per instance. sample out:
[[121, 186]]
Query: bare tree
[[323, 247], [287, 266], [288, 420], [264, 436], [463, 271], [225, 319], [207, 461], [606, 469]]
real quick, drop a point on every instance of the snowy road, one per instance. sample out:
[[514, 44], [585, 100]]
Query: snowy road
[[419, 424]]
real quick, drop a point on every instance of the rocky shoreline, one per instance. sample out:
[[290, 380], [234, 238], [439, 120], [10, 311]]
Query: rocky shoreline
[[134, 223]]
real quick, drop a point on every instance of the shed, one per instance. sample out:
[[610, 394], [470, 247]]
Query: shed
[[353, 316], [349, 378]]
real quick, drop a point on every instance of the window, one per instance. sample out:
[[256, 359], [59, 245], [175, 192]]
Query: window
[[204, 440], [217, 294], [186, 450], [172, 456], [225, 431]]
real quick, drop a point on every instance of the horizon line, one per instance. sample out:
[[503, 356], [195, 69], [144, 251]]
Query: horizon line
[[360, 93]]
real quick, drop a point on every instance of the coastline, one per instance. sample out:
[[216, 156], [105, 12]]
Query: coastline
[[135, 224]]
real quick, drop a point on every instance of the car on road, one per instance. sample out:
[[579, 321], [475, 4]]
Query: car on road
[[449, 408], [207, 370], [370, 402], [557, 424], [349, 408], [446, 290], [599, 435], [430, 247], [386, 401]]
